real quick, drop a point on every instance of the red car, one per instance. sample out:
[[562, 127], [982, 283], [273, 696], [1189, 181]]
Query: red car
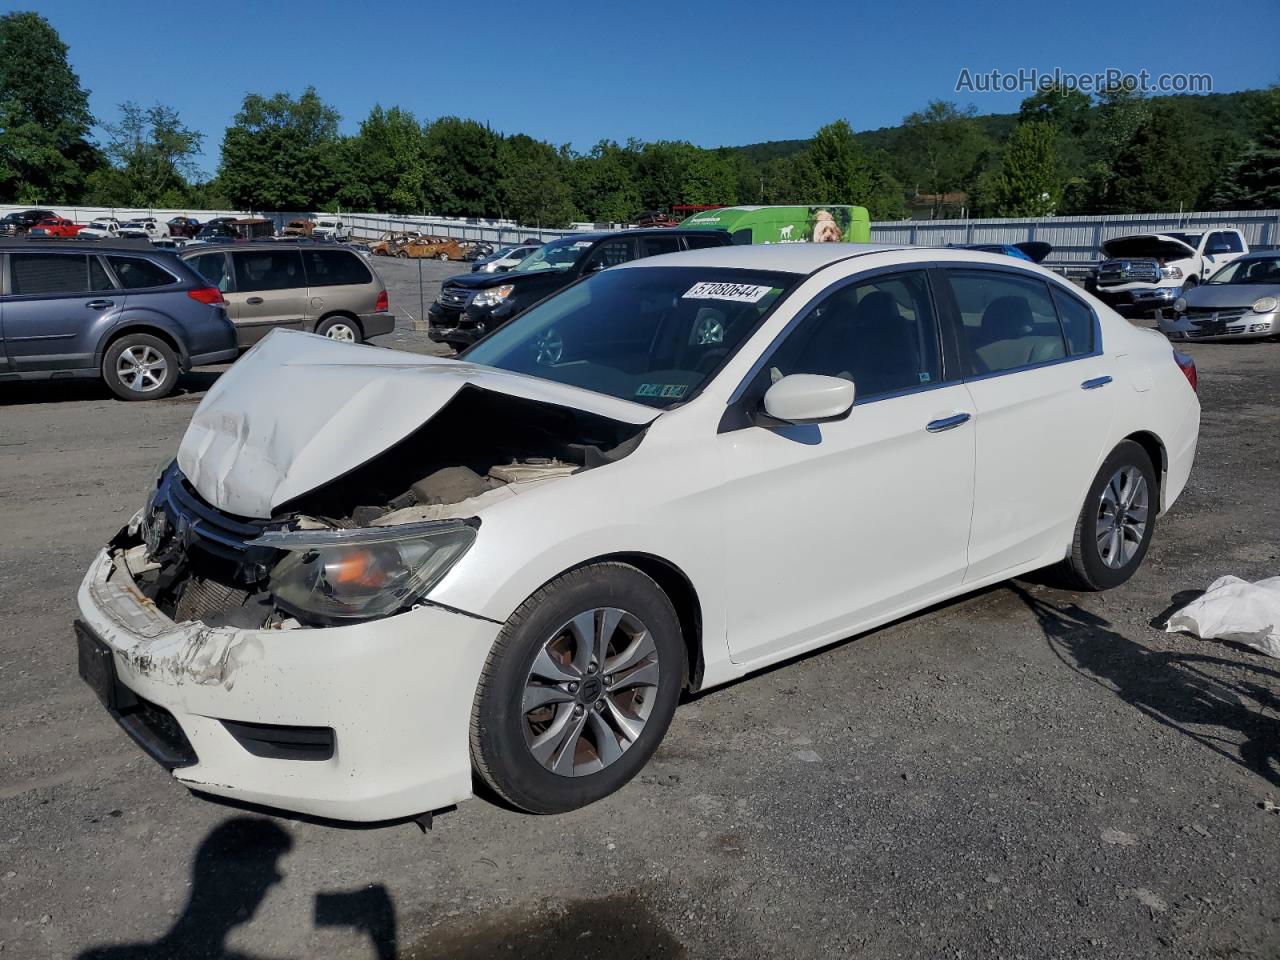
[[55, 227]]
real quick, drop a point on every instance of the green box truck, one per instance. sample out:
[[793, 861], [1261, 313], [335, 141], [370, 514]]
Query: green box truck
[[826, 223]]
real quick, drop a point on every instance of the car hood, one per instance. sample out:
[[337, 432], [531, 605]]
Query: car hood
[[299, 410], [1222, 295], [480, 280], [1154, 245]]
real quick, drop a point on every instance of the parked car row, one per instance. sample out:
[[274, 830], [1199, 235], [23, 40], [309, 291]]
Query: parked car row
[[137, 316]]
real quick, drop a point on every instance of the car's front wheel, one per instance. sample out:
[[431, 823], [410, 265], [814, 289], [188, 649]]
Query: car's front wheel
[[1115, 525], [578, 690]]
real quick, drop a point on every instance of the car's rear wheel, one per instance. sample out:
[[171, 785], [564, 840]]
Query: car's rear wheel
[[139, 366], [340, 328], [578, 690], [1117, 520]]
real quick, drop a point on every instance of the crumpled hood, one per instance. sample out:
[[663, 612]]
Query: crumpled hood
[[298, 410]]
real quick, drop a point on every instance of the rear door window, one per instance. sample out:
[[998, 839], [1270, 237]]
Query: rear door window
[[652, 246], [700, 242], [1077, 323], [611, 253], [1007, 321], [332, 268], [268, 270], [138, 274], [54, 274]]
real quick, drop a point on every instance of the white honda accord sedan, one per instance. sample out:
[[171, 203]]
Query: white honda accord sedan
[[370, 577]]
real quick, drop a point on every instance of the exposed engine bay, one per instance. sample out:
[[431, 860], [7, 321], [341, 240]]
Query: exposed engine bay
[[199, 563]]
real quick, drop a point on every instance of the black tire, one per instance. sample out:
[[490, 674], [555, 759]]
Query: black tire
[[341, 320], [499, 750], [1086, 567], [142, 345], [402, 255]]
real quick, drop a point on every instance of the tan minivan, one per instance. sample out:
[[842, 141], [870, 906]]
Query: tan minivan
[[322, 289]]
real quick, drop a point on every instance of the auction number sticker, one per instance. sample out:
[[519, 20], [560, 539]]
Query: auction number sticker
[[737, 292]]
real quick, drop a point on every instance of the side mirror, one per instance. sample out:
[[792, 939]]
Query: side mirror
[[809, 398]]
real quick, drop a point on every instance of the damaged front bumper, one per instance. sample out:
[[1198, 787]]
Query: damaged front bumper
[[363, 722]]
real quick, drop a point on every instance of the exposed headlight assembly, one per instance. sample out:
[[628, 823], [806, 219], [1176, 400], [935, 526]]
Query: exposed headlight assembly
[[1266, 305], [493, 296], [335, 576], [1180, 304]]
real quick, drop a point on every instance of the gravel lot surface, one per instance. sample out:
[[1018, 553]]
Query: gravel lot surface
[[1025, 772]]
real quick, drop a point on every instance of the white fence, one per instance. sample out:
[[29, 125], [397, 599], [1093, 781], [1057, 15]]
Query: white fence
[[1076, 241]]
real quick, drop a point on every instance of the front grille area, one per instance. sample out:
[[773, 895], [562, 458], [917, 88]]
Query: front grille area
[[1207, 313], [1128, 271], [455, 297], [202, 597]]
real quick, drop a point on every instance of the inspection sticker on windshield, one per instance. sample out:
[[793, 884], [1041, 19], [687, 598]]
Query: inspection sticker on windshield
[[738, 292], [672, 391]]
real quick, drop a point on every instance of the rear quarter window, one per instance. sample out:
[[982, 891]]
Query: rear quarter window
[[138, 274], [332, 268]]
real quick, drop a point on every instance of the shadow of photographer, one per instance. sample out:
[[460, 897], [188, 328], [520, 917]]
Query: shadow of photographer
[[1234, 718], [234, 868]]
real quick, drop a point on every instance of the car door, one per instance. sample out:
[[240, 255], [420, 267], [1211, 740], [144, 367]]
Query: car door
[[832, 526], [53, 302], [1220, 248], [1042, 399], [337, 281], [271, 291]]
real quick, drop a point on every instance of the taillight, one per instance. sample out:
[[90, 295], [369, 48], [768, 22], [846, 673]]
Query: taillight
[[1187, 365], [209, 295], [383, 304]]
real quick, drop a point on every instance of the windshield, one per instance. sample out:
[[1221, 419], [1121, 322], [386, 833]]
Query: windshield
[[557, 255], [1192, 240], [1260, 270], [652, 335]]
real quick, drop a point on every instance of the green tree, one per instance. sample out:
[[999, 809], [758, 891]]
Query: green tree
[[604, 184], [1066, 109], [153, 160], [840, 169], [282, 153], [1029, 185], [387, 164], [1253, 180], [463, 169], [45, 154], [942, 149], [535, 187], [1161, 168]]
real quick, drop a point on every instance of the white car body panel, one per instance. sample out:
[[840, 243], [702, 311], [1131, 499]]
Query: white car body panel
[[790, 537]]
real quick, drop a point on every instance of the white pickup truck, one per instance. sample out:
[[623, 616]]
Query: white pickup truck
[[1145, 272], [331, 228]]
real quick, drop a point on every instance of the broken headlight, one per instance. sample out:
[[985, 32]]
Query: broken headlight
[[343, 575]]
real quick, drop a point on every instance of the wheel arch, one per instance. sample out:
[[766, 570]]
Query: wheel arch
[[140, 326], [1155, 449], [679, 589], [345, 314]]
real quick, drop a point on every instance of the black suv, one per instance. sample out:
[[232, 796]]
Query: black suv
[[470, 305]]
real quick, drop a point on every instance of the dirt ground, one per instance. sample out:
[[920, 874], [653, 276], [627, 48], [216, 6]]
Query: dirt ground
[[1025, 772]]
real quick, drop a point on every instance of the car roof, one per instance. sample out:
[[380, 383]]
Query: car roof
[[1258, 255], [8, 245], [788, 257]]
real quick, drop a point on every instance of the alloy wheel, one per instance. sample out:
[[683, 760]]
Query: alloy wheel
[[142, 368], [1122, 517], [341, 331], [590, 692]]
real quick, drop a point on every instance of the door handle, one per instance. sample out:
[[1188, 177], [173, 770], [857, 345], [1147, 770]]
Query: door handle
[[947, 423], [100, 304], [1095, 383], [254, 301]]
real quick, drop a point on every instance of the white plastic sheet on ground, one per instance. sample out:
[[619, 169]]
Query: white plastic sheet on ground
[[1235, 609]]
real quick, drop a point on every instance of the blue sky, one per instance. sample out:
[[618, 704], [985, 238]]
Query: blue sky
[[715, 73]]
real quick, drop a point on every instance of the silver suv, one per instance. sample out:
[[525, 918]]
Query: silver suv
[[318, 288]]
